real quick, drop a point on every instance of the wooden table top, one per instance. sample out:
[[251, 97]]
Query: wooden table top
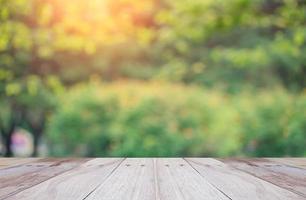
[[152, 178]]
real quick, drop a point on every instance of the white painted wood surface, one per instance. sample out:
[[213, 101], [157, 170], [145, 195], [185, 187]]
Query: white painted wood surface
[[238, 184], [72, 185], [152, 179]]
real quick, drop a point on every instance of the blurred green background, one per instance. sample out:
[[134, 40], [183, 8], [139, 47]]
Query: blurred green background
[[153, 77]]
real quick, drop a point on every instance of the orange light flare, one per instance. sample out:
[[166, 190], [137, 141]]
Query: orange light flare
[[98, 17]]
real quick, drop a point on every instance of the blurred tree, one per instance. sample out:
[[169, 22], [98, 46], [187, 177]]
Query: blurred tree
[[27, 93], [212, 43], [26, 103], [148, 119], [236, 45], [220, 43]]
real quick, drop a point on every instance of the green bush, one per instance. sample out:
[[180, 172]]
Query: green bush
[[275, 126], [158, 119]]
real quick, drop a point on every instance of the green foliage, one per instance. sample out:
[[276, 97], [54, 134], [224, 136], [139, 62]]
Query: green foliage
[[27, 102], [275, 126], [220, 60], [238, 42], [155, 119], [82, 119], [212, 43]]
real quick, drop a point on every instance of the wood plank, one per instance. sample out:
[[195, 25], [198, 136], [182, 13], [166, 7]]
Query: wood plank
[[21, 177], [295, 162], [133, 179], [13, 172], [74, 184], [178, 180], [157, 179], [287, 177], [9, 162], [237, 184], [153, 178]]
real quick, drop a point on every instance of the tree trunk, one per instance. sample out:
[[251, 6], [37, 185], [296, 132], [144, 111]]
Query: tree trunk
[[36, 139], [7, 139], [8, 145]]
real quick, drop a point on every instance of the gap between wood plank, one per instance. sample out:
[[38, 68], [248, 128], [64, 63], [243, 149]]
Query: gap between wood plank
[[189, 180], [156, 185], [131, 180], [42, 190], [105, 178], [207, 180], [238, 184], [39, 170], [264, 179]]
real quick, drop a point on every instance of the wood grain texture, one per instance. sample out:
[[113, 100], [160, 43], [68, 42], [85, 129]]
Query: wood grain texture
[[152, 179], [178, 180], [75, 184], [294, 162], [238, 184], [14, 175], [285, 176], [21, 177], [133, 179], [10, 162]]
